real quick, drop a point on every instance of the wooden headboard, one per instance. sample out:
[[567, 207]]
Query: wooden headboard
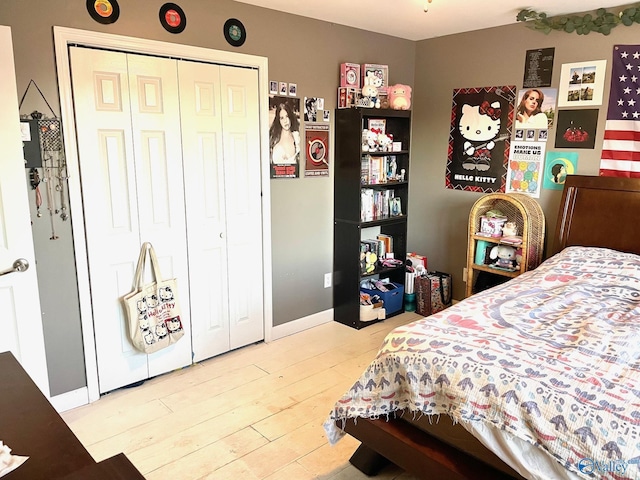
[[599, 211]]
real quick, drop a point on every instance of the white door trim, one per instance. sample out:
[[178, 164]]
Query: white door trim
[[63, 37]]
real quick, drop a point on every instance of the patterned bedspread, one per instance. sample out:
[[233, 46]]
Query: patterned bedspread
[[551, 357]]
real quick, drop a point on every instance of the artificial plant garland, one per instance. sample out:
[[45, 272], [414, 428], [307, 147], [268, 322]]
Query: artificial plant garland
[[602, 22]]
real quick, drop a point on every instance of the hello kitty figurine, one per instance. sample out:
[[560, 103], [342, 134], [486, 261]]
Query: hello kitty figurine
[[479, 125]]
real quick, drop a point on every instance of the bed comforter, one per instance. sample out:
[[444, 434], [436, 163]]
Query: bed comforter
[[551, 357]]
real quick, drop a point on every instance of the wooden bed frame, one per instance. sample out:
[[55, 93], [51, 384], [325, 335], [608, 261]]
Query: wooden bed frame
[[594, 211]]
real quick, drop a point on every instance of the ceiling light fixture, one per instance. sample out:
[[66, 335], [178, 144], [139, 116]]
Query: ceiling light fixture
[[426, 6]]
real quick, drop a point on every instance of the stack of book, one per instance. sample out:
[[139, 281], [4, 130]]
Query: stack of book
[[375, 204]]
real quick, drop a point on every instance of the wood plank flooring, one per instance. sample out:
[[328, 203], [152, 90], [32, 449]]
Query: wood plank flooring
[[251, 414]]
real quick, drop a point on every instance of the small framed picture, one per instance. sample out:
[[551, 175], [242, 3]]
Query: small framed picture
[[273, 88], [326, 115], [395, 207], [293, 89], [283, 88]]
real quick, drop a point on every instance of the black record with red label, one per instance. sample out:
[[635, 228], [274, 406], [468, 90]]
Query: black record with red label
[[103, 11], [317, 151], [172, 18]]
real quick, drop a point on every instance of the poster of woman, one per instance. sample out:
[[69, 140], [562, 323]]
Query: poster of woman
[[284, 137]]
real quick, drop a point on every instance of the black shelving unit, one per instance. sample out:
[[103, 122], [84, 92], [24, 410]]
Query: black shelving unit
[[348, 225]]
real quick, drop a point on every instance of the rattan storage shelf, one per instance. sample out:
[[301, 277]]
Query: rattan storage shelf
[[526, 213]]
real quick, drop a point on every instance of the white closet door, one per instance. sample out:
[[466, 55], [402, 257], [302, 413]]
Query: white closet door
[[240, 119], [221, 142], [132, 192], [155, 113], [109, 196], [205, 198]]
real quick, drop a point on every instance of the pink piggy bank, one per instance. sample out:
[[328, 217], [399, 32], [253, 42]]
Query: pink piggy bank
[[400, 97]]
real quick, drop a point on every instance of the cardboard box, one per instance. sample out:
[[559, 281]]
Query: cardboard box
[[350, 75]]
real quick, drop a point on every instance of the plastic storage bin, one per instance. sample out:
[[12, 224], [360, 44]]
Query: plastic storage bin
[[392, 298]]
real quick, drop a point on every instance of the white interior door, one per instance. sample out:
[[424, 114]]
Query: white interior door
[[240, 119], [127, 121], [201, 115], [221, 144], [21, 321]]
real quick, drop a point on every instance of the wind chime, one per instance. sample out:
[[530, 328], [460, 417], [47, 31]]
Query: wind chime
[[43, 149]]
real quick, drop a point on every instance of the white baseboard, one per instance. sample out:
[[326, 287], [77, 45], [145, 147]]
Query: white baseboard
[[69, 400], [297, 326]]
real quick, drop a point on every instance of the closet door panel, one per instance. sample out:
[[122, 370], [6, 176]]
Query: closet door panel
[[240, 119], [109, 195], [155, 115], [205, 206]]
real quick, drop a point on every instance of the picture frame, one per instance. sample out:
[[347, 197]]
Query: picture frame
[[582, 84], [381, 71], [273, 87], [293, 89], [283, 88], [395, 207]]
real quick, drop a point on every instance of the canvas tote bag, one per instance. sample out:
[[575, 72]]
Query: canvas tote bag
[[152, 310]]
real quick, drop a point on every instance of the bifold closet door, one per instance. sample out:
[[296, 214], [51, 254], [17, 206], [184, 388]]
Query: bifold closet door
[[128, 124], [221, 144]]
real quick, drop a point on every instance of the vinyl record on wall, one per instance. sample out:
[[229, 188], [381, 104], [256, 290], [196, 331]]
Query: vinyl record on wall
[[103, 11], [172, 18], [234, 32]]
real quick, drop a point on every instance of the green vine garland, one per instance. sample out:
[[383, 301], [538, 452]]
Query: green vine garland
[[602, 22]]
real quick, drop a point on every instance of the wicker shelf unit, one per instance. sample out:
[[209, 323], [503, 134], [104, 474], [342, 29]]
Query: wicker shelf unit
[[527, 214]]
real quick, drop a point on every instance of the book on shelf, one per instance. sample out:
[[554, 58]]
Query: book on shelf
[[378, 169], [387, 240], [375, 204]]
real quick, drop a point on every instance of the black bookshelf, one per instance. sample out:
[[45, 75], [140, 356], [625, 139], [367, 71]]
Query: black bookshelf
[[348, 226]]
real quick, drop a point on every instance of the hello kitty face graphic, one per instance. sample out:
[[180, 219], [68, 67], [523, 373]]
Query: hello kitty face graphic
[[161, 330], [142, 306], [143, 322], [148, 338], [166, 294], [174, 324], [152, 301]]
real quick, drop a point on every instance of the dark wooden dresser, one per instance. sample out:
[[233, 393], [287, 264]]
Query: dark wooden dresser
[[31, 427]]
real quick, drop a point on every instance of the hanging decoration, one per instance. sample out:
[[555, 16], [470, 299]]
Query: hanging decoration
[[172, 18], [43, 148], [602, 22], [103, 11], [479, 138], [234, 32]]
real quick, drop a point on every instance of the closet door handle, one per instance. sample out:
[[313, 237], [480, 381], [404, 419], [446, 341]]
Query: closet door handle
[[221, 234], [20, 265]]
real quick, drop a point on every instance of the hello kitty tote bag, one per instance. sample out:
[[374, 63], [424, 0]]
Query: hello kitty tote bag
[[152, 310]]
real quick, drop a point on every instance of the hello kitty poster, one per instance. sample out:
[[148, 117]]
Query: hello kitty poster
[[481, 125]]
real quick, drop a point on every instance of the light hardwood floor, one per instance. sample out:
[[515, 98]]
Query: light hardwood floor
[[251, 414]]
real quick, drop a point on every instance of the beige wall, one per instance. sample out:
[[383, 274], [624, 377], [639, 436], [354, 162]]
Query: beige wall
[[299, 50], [438, 216]]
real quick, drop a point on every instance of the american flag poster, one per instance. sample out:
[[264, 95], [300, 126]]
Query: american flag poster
[[621, 145]]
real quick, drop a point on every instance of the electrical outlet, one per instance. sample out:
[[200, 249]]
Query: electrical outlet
[[327, 280]]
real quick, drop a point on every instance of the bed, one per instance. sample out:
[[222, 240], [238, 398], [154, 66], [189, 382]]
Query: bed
[[536, 378]]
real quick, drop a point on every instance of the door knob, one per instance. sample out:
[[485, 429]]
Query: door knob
[[20, 265]]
